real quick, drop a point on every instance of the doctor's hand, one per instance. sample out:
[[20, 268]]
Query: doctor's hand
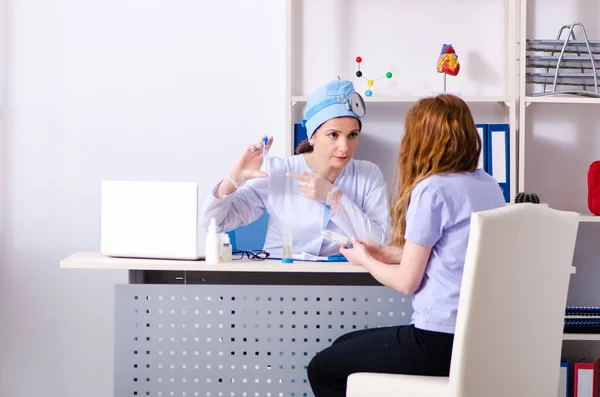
[[358, 255], [248, 164], [313, 187]]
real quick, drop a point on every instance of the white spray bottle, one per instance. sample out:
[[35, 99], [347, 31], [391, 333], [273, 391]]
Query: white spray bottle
[[213, 243]]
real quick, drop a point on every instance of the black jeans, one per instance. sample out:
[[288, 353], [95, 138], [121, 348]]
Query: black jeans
[[397, 350]]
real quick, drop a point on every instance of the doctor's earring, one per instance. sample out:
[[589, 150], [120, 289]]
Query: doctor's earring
[[312, 143]]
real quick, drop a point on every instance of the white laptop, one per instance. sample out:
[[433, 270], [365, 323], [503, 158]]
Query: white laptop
[[150, 220]]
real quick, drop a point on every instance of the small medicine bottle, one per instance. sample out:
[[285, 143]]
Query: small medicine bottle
[[288, 250], [225, 248]]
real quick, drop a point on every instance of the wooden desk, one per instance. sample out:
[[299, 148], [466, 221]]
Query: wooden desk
[[239, 272], [95, 260]]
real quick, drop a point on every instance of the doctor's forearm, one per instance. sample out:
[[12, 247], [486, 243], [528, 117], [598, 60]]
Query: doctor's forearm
[[355, 223], [335, 202], [230, 210], [226, 187]]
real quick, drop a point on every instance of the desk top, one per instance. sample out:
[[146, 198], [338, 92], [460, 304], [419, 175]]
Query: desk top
[[95, 260]]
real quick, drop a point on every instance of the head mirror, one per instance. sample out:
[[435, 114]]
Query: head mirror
[[358, 104]]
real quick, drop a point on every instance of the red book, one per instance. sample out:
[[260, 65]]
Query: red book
[[583, 379], [596, 384]]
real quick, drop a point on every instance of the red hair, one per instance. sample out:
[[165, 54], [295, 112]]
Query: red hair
[[439, 137]]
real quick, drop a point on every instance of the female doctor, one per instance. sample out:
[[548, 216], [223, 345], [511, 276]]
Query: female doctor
[[322, 187]]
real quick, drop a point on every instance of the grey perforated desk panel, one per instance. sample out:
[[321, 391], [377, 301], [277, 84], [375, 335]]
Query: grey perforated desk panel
[[224, 333]]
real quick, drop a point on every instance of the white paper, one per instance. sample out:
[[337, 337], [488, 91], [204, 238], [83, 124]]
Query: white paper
[[305, 256], [562, 382], [499, 156], [480, 163], [585, 378]]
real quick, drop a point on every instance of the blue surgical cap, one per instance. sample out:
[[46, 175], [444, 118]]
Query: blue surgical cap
[[328, 102]]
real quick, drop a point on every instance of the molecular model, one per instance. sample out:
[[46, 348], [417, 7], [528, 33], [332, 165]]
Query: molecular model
[[370, 82]]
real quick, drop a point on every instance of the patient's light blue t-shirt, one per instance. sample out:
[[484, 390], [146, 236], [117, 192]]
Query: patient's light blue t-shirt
[[439, 216]]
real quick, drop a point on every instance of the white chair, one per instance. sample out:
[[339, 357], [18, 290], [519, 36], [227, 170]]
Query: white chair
[[511, 311]]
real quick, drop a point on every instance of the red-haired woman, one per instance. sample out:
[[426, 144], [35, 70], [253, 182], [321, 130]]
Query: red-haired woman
[[439, 187]]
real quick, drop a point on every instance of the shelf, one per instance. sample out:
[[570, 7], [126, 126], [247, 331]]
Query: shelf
[[581, 337], [412, 99], [561, 99], [589, 218]]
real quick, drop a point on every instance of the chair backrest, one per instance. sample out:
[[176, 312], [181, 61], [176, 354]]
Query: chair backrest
[[511, 311]]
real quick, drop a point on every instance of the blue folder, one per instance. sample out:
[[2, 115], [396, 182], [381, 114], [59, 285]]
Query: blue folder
[[563, 383], [498, 156], [483, 157], [299, 135]]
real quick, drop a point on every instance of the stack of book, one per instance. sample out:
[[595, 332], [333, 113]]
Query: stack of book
[[579, 319]]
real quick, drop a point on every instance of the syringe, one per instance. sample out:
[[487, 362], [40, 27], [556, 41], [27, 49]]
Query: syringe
[[265, 161]]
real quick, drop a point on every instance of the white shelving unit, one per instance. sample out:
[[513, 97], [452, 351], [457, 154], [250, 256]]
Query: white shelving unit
[[552, 103], [508, 100], [412, 99], [589, 218], [589, 337], [560, 99], [526, 99], [514, 101]]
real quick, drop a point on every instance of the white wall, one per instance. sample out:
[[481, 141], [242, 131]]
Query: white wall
[[147, 89], [113, 89], [404, 38], [3, 40]]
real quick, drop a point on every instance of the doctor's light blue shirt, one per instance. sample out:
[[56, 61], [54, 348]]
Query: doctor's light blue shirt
[[363, 211]]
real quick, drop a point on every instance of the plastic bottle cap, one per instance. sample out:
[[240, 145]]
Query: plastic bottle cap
[[287, 260], [212, 227]]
